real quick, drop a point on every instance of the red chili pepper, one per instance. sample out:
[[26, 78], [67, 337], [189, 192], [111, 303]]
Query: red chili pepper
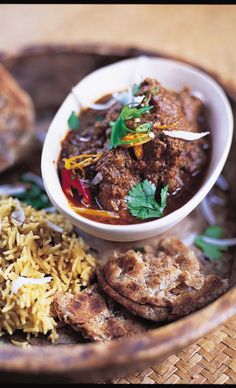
[[69, 181]]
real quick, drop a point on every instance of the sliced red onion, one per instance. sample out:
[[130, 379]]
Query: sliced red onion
[[21, 281], [11, 190], [229, 242], [222, 183], [18, 214], [34, 178], [189, 240], [216, 200], [97, 179], [185, 135], [207, 211], [54, 227]]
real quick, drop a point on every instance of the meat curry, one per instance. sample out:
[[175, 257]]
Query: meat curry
[[129, 158]]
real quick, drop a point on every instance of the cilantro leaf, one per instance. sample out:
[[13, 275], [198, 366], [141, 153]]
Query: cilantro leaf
[[214, 231], [119, 128], [142, 203], [211, 251], [73, 121]]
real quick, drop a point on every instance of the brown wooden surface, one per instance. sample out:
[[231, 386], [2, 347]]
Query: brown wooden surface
[[35, 70]]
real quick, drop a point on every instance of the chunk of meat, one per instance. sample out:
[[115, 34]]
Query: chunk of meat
[[96, 315], [166, 160], [119, 175], [160, 288]]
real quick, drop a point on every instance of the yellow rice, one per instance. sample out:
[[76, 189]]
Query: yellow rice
[[30, 251]]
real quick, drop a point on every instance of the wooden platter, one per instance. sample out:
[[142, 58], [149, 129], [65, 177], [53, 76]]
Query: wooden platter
[[48, 73]]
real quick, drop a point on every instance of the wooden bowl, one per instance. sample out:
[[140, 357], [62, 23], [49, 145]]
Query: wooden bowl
[[48, 73]]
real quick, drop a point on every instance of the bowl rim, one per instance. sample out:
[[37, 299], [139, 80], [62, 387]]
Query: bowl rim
[[171, 217]]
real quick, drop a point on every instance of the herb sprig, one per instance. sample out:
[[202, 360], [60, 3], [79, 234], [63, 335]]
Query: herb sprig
[[73, 121], [142, 203], [119, 129], [211, 251]]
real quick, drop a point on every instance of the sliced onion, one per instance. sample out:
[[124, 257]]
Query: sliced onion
[[185, 135], [229, 242], [126, 97], [54, 227], [41, 135], [50, 209], [11, 190], [18, 214], [216, 200], [21, 281], [222, 183], [207, 211], [97, 179], [189, 240], [84, 139], [104, 106], [30, 176]]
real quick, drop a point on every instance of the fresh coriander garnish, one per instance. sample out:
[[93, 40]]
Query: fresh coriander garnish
[[119, 129], [73, 121], [142, 203], [211, 251]]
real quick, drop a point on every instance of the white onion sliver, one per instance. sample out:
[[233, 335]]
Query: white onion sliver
[[106, 105], [18, 214], [185, 135], [50, 209], [189, 240], [216, 200], [11, 190], [222, 183], [207, 212], [97, 179], [21, 281], [54, 227], [34, 178], [229, 242], [84, 139]]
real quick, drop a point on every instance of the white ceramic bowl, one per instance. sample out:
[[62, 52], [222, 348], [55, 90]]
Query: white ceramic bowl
[[118, 76]]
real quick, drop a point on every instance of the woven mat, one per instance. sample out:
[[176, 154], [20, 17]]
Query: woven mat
[[211, 360]]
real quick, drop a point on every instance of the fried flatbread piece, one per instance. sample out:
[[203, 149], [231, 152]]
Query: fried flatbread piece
[[160, 288], [96, 315], [16, 119]]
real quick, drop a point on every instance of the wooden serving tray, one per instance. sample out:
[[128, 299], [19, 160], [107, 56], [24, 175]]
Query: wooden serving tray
[[48, 73]]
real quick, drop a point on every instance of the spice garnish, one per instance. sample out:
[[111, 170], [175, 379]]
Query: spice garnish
[[81, 161], [210, 250], [95, 212], [142, 203], [119, 129], [73, 121]]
